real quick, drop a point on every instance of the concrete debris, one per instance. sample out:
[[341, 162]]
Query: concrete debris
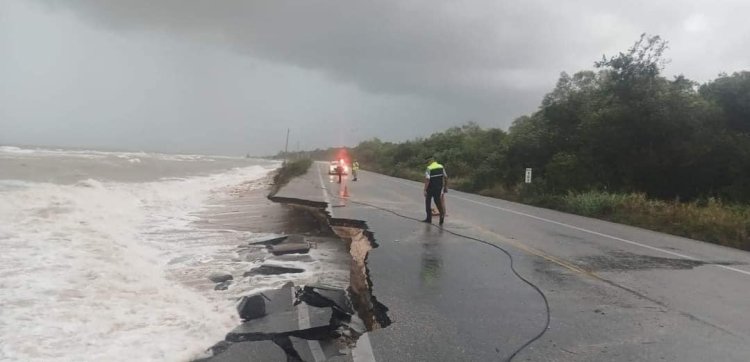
[[220, 277], [267, 269], [252, 307], [290, 248], [272, 241]]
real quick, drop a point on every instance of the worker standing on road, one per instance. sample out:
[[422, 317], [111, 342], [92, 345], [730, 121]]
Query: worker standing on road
[[435, 184], [339, 171], [355, 169]]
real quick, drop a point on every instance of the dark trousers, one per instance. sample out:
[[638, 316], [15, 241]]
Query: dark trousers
[[433, 195]]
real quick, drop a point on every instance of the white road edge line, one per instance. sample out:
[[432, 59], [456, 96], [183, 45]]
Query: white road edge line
[[329, 208], [362, 351], [585, 230], [303, 314]]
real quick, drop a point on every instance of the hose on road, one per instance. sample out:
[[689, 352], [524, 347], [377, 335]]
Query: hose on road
[[492, 245]]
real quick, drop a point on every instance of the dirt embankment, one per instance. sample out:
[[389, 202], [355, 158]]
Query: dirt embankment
[[306, 319]]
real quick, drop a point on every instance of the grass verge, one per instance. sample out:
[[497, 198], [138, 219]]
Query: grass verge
[[288, 171], [709, 220]]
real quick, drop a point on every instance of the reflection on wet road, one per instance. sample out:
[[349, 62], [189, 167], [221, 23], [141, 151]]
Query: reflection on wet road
[[431, 265]]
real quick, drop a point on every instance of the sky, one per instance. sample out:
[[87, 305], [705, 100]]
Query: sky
[[230, 77]]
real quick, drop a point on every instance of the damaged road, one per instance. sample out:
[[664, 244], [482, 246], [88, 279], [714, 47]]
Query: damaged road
[[305, 322], [271, 320], [414, 302], [616, 293]]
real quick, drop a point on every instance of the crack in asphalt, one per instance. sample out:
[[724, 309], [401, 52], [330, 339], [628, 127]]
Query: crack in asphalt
[[352, 316]]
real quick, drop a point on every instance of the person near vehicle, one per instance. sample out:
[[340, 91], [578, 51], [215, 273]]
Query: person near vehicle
[[435, 185], [355, 168], [340, 171]]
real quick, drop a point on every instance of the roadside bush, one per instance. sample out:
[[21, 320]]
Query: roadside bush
[[709, 220], [501, 192], [536, 193], [714, 221], [408, 173], [289, 171], [593, 203]]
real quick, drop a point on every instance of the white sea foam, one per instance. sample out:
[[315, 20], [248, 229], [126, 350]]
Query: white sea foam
[[91, 271], [13, 151]]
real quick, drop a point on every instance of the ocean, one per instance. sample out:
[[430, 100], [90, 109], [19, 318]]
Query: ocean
[[100, 257]]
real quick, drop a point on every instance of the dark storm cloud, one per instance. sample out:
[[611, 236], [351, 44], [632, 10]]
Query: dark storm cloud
[[490, 50], [390, 47], [488, 61], [481, 50]]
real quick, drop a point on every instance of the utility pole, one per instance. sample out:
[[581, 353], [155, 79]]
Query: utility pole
[[286, 147]]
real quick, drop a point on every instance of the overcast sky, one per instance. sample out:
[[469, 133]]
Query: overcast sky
[[231, 76]]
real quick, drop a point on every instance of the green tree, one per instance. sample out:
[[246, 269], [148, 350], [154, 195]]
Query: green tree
[[732, 95]]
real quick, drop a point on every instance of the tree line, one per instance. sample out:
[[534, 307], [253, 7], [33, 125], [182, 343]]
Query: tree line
[[622, 127]]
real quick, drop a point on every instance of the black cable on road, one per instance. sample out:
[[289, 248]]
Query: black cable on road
[[510, 257]]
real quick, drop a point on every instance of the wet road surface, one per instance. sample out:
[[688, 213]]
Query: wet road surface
[[616, 292]]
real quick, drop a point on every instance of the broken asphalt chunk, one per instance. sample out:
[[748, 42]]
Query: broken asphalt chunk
[[220, 277], [323, 298], [265, 327], [271, 270], [286, 344], [252, 307], [272, 241], [220, 347], [290, 248], [317, 333], [265, 350]]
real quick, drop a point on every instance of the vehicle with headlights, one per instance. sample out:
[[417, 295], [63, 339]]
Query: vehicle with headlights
[[333, 167]]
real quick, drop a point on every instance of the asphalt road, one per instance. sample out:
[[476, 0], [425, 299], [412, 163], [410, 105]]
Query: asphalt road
[[616, 293]]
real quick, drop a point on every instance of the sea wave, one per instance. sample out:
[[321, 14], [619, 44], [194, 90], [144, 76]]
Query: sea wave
[[86, 274], [15, 150], [10, 151]]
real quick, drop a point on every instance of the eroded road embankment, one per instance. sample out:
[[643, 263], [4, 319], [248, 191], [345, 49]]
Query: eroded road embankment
[[617, 293], [449, 298], [307, 322]]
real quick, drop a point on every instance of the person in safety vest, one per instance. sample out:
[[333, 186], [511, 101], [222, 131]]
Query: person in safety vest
[[435, 184], [355, 168]]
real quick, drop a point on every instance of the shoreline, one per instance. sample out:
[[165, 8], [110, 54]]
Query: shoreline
[[295, 328]]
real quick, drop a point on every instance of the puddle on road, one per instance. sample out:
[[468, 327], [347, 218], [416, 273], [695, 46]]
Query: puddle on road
[[621, 260]]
